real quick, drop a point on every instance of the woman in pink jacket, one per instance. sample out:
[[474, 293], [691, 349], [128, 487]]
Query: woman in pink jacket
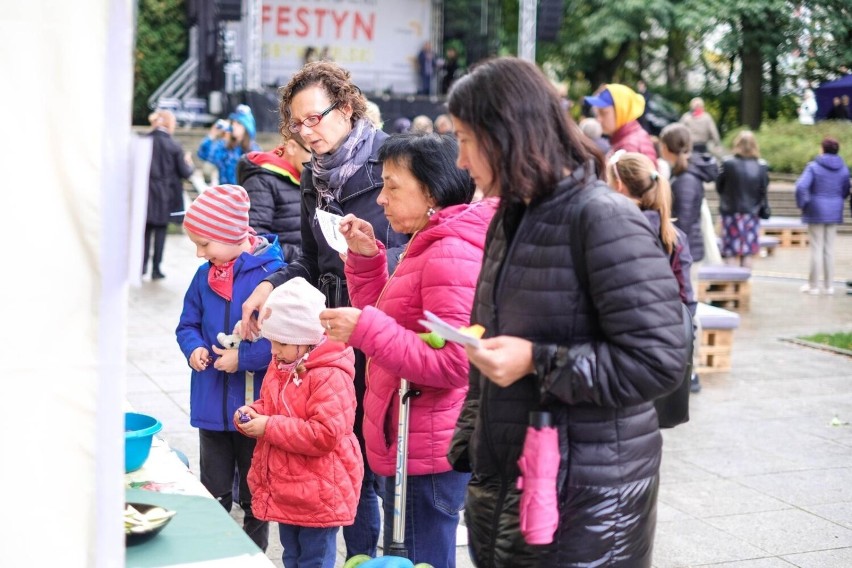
[[307, 468], [427, 196]]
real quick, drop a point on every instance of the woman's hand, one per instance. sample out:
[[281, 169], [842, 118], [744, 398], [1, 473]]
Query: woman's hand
[[503, 359], [359, 235], [249, 325], [340, 322]]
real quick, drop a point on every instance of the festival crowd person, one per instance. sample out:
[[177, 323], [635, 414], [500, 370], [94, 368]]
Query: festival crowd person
[[821, 191], [307, 468], [227, 141], [689, 172], [324, 106], [595, 357], [427, 196], [702, 128], [618, 110], [742, 185], [224, 379], [272, 182], [170, 165]]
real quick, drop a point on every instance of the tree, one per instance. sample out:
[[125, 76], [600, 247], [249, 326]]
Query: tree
[[161, 47]]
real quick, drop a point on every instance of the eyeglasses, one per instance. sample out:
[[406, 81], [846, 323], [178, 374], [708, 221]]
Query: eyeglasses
[[310, 121]]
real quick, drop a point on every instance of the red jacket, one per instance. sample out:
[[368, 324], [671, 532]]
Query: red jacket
[[307, 468], [438, 272], [633, 138]]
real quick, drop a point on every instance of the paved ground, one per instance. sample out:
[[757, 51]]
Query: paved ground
[[759, 478]]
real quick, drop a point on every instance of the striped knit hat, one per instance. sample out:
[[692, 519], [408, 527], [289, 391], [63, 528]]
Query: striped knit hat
[[220, 214]]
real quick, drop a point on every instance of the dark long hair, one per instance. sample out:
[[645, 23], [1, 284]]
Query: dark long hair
[[516, 115], [431, 159]]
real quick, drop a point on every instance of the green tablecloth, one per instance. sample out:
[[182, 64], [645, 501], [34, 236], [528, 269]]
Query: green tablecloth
[[200, 531]]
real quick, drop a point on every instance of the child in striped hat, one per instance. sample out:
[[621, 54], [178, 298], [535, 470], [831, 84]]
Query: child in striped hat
[[223, 380]]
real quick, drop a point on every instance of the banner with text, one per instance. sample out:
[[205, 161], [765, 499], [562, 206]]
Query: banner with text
[[376, 40]]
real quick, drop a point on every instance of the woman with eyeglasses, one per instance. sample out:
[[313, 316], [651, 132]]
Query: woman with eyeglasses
[[594, 354], [327, 110], [272, 182]]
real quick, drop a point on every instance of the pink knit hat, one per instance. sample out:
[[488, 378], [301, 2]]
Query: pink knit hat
[[220, 214], [291, 314]]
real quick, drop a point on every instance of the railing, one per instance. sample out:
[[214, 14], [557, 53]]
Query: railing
[[180, 85]]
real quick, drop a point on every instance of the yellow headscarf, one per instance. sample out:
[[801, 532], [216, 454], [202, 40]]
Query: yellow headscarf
[[628, 104]]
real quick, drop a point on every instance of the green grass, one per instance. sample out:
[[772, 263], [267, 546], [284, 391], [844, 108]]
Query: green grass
[[788, 146], [840, 340]]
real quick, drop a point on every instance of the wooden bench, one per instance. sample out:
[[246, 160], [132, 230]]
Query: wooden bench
[[717, 338], [768, 245], [725, 286], [790, 231]]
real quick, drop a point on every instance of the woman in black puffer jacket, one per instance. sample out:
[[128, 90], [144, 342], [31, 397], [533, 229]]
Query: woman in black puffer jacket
[[596, 359]]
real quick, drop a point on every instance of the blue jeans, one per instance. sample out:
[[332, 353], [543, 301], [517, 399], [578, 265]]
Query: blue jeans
[[308, 547], [362, 537], [432, 510]]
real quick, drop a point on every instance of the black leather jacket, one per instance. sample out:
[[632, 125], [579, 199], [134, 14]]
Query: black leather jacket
[[742, 185]]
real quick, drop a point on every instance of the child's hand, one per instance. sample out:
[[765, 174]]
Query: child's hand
[[228, 360], [256, 427], [199, 359], [242, 415]]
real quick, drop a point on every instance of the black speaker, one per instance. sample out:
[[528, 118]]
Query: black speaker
[[549, 19], [230, 10]]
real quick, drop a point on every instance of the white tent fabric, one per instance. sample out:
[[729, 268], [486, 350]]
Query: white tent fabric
[[67, 75]]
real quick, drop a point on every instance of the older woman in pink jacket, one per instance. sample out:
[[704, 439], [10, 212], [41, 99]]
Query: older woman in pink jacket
[[427, 196]]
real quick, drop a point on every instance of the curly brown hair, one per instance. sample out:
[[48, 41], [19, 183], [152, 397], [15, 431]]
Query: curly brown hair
[[334, 80]]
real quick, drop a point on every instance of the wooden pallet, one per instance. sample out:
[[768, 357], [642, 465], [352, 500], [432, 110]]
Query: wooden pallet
[[788, 236], [725, 293], [714, 352]]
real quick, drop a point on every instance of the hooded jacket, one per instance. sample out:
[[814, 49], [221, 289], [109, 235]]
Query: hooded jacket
[[437, 273], [822, 188], [307, 468], [687, 195], [215, 395], [597, 370], [272, 184]]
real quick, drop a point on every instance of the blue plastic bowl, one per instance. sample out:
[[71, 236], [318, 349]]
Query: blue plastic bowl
[[139, 430]]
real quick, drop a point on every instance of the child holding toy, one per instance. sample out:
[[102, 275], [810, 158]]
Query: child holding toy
[[307, 469], [224, 379]]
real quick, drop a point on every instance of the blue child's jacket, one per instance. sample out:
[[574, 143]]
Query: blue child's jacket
[[216, 395]]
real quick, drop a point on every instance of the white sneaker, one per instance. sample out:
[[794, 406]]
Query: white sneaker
[[808, 290], [829, 291]]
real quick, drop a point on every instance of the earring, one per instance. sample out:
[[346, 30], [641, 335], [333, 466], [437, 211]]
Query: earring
[[430, 212]]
